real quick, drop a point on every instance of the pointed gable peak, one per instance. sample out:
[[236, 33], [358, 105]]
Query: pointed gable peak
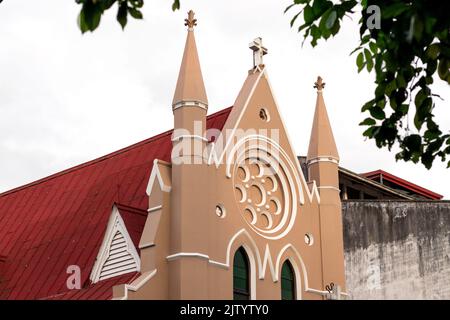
[[117, 254], [190, 87], [322, 142]]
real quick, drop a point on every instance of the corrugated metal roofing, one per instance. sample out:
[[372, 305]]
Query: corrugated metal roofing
[[58, 221]]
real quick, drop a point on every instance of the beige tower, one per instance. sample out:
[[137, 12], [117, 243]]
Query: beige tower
[[190, 106], [323, 162]]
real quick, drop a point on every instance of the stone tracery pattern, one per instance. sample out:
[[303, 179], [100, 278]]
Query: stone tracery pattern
[[263, 192]]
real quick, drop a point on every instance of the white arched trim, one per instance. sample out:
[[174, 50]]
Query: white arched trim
[[260, 265], [297, 264]]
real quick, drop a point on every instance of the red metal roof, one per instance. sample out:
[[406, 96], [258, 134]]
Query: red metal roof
[[414, 188], [60, 220]]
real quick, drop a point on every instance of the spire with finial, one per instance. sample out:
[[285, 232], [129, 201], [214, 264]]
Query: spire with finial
[[190, 88], [321, 144], [190, 22], [319, 84]]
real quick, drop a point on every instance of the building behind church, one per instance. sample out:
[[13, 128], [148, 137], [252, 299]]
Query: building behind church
[[222, 207]]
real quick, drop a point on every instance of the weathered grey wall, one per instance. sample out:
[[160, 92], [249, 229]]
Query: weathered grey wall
[[397, 249]]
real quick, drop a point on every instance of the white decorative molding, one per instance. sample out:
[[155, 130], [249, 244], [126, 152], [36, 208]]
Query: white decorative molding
[[187, 255], [329, 187], [117, 254], [137, 284], [146, 245], [153, 209], [197, 104], [331, 159], [156, 174], [258, 266], [189, 136]]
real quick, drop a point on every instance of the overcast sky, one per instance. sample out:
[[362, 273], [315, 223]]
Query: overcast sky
[[66, 98]]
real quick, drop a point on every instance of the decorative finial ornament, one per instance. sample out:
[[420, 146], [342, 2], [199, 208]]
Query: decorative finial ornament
[[190, 22], [319, 84], [258, 52]]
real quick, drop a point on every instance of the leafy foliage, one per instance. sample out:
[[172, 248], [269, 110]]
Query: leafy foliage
[[409, 45], [92, 11]]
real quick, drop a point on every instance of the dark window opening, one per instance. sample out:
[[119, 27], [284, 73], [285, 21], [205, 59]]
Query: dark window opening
[[241, 278]]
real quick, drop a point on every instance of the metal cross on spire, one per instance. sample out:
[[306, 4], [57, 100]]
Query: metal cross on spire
[[190, 22], [258, 52]]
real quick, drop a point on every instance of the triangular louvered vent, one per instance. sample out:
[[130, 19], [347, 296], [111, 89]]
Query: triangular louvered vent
[[117, 255], [120, 261]]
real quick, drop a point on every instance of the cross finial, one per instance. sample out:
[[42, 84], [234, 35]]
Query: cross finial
[[319, 84], [190, 22], [258, 52]]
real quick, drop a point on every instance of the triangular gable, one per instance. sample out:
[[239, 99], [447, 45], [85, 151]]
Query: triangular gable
[[117, 254], [221, 150]]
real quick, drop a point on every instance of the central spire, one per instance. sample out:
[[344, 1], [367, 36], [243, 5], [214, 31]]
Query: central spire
[[190, 89]]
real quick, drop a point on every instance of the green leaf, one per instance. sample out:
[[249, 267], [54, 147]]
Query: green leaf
[[403, 109], [413, 142], [122, 13], [420, 97], [373, 47], [81, 23], [308, 14], [289, 7], [377, 113], [391, 86], [370, 132], [400, 80], [443, 69], [369, 60], [295, 18], [394, 10], [367, 105], [418, 29], [422, 112], [90, 18], [360, 61], [176, 5], [331, 20], [135, 13], [432, 51], [368, 122], [320, 6]]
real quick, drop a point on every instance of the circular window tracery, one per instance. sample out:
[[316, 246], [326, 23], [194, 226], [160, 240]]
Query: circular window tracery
[[264, 193]]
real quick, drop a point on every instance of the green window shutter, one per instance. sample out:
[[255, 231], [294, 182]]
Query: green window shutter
[[287, 282], [241, 279]]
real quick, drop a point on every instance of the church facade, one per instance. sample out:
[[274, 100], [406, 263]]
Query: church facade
[[217, 208]]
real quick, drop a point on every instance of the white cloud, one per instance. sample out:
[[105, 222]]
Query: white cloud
[[67, 98]]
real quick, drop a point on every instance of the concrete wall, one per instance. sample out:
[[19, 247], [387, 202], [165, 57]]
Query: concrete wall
[[397, 249]]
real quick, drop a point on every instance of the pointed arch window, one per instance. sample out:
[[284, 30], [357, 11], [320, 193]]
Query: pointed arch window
[[241, 275], [287, 281]]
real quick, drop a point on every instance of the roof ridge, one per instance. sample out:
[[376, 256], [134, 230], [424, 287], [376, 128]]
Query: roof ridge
[[102, 158]]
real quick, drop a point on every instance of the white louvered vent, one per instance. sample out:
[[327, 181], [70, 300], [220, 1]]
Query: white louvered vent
[[119, 261], [117, 254]]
